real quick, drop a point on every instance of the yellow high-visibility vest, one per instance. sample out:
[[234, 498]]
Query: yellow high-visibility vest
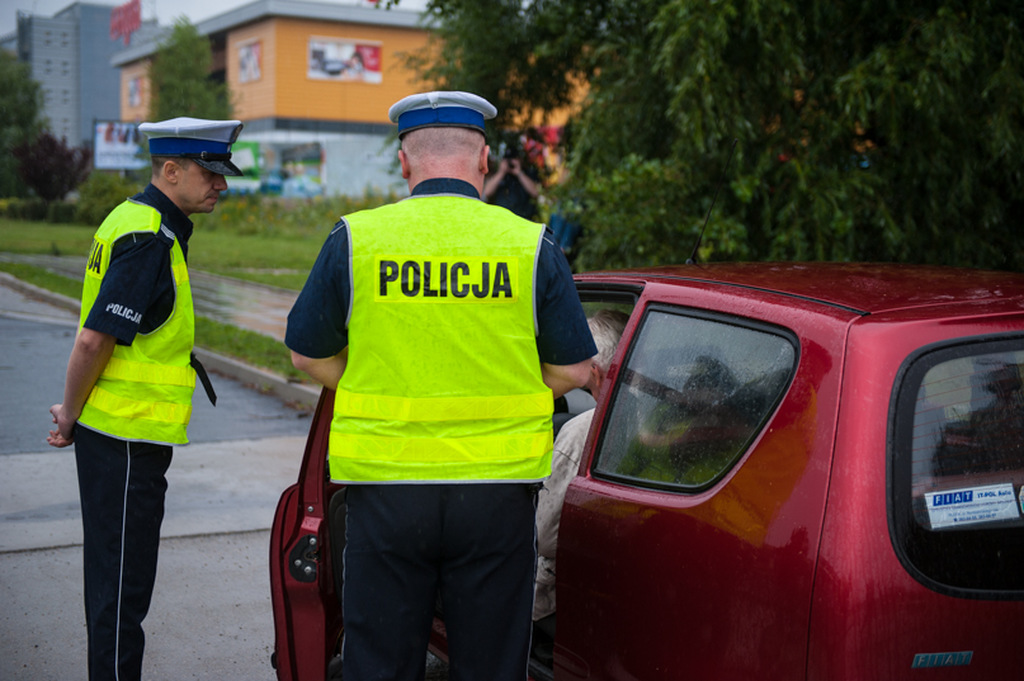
[[145, 391], [443, 381]]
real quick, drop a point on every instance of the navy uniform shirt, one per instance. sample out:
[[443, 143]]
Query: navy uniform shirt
[[317, 321], [139, 277]]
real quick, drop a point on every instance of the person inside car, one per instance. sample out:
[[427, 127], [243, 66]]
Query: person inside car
[[606, 326]]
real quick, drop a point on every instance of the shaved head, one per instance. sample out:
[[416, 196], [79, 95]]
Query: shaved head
[[444, 152], [442, 143]]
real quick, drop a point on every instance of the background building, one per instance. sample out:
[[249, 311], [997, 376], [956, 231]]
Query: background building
[[69, 54], [312, 82]]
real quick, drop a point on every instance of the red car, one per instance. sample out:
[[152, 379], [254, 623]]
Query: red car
[[796, 471]]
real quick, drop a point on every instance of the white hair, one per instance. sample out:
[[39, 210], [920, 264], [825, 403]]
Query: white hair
[[606, 326]]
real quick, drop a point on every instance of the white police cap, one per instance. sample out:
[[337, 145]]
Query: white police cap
[[441, 109], [206, 142]]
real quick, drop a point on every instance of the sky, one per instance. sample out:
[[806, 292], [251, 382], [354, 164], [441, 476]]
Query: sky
[[165, 11]]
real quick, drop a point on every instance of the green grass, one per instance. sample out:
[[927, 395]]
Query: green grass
[[247, 346], [267, 241], [23, 236], [275, 260], [43, 278]]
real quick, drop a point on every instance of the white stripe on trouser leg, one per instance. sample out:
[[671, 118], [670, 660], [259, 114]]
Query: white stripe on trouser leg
[[120, 567]]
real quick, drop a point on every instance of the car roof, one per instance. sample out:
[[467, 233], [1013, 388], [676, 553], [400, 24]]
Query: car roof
[[867, 288]]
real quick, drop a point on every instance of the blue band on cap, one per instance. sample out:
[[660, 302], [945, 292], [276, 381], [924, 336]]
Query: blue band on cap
[[442, 115], [176, 146]]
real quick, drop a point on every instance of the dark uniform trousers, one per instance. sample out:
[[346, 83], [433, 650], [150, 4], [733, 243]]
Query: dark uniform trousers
[[122, 488], [474, 544]]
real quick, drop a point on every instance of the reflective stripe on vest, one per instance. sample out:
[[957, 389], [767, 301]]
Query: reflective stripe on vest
[[443, 378], [145, 391]]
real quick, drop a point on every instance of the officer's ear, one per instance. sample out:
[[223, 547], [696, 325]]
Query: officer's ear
[[403, 160], [485, 155], [171, 170]]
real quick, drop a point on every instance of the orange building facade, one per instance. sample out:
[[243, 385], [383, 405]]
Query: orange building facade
[[312, 82]]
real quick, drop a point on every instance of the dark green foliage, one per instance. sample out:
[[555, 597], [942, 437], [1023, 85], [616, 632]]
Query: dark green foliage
[[255, 215], [20, 109], [875, 130], [180, 78], [100, 194], [50, 167], [37, 210]]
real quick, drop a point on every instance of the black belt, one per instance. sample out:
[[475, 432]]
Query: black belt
[[204, 378]]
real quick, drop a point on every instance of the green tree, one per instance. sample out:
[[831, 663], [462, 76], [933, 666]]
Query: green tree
[[500, 49], [180, 78], [870, 130], [20, 111]]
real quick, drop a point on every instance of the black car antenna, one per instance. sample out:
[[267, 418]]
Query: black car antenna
[[692, 260]]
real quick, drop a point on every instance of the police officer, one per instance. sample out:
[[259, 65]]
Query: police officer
[[130, 378], [446, 326]]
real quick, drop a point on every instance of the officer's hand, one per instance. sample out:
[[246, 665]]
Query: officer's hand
[[64, 434]]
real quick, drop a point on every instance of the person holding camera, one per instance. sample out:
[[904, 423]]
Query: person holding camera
[[513, 185]]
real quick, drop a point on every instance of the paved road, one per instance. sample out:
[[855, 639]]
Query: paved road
[[211, 616]]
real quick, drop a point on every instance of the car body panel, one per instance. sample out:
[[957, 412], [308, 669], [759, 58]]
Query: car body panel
[[860, 577], [783, 567]]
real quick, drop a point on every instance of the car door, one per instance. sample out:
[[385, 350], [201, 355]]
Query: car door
[[303, 583], [688, 541]]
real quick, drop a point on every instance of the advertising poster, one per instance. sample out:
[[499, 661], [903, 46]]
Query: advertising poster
[[116, 146], [250, 59], [340, 59], [135, 92]]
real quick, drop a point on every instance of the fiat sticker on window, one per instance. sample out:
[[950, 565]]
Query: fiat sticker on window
[[972, 505]]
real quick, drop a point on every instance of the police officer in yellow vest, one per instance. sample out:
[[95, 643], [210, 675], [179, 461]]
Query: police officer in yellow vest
[[130, 378], [446, 326]]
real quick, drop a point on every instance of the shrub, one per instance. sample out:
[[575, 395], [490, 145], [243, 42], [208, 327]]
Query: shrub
[[24, 209], [61, 212], [100, 194], [50, 167], [254, 214]]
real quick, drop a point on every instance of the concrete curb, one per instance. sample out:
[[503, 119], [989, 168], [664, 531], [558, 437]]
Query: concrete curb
[[267, 382]]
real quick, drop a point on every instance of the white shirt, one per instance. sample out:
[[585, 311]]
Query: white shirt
[[565, 464]]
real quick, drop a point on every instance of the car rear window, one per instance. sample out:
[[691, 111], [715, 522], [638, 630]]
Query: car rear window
[[958, 466], [693, 393]]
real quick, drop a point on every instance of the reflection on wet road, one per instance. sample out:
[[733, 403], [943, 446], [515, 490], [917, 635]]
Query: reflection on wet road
[[256, 307], [250, 306]]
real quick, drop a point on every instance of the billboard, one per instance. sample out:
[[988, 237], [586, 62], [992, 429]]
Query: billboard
[[116, 146], [340, 59]]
